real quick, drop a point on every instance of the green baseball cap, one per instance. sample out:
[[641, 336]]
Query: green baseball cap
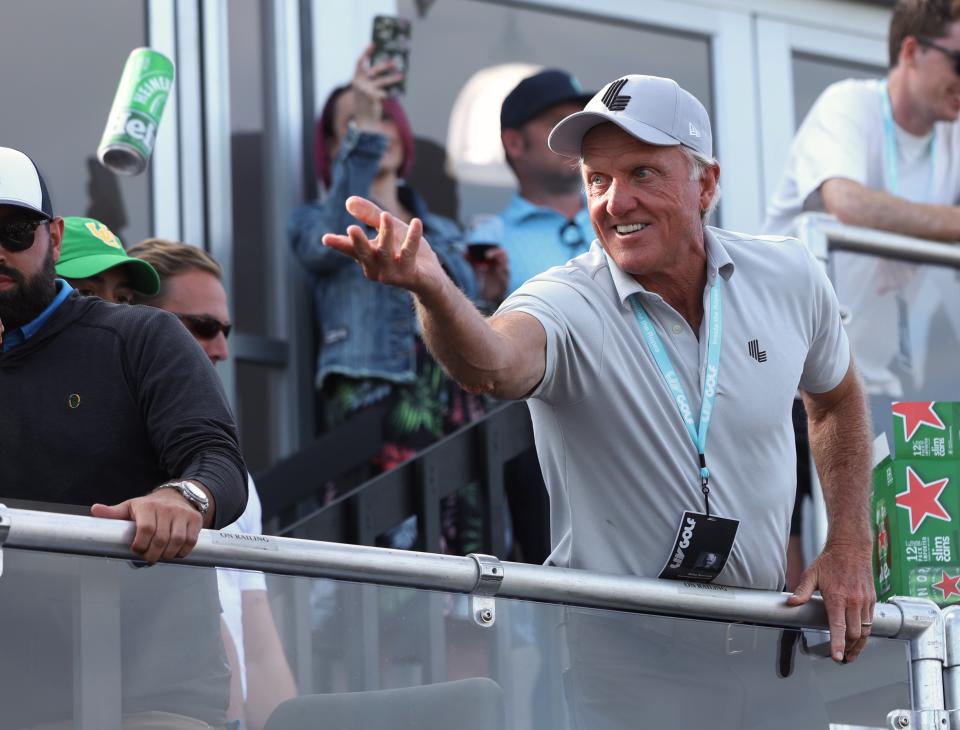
[[90, 248]]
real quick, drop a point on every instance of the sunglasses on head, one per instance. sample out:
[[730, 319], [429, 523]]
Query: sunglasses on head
[[951, 54], [204, 326], [571, 235], [18, 235]]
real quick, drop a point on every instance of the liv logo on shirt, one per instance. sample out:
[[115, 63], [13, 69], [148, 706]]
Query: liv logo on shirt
[[753, 347]]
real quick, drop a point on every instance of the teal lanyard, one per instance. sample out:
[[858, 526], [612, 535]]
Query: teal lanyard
[[890, 166], [669, 373]]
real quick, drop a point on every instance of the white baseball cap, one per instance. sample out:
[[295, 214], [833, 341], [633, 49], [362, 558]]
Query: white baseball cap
[[655, 110], [21, 184]]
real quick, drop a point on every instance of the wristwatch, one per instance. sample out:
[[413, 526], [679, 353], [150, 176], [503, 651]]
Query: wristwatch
[[190, 492]]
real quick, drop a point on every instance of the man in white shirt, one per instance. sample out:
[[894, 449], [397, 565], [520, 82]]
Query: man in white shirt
[[885, 154]]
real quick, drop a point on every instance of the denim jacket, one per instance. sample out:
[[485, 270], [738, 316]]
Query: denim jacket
[[367, 329]]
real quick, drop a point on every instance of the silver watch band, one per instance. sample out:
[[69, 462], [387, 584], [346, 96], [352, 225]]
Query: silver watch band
[[190, 492]]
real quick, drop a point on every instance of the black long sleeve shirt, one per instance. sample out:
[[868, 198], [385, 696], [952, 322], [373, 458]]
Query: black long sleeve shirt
[[106, 402]]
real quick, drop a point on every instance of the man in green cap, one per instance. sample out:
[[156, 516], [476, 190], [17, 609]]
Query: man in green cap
[[94, 262]]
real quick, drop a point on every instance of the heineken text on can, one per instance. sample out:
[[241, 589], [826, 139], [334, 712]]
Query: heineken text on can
[[135, 115]]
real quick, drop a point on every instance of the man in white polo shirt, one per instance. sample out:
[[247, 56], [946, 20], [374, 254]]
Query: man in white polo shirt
[[629, 352]]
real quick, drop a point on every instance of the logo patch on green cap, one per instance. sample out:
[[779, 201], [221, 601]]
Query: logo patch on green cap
[[100, 230]]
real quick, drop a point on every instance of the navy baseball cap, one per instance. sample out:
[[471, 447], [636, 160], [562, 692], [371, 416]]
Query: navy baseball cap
[[537, 93]]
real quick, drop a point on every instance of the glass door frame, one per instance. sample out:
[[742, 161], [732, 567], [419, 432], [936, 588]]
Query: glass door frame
[[192, 184]]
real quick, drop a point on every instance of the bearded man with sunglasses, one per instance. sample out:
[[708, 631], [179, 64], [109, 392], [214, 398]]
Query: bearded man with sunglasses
[[92, 374], [116, 406]]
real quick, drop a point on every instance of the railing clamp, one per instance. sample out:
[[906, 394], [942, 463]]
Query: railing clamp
[[918, 720], [5, 522], [483, 607]]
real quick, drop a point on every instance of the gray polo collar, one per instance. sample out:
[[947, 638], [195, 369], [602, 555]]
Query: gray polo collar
[[718, 262]]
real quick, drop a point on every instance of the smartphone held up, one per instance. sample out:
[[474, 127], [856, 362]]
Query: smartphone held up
[[391, 42]]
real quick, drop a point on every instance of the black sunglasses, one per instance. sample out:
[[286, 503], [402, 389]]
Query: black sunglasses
[[571, 235], [204, 326], [951, 54], [18, 235]]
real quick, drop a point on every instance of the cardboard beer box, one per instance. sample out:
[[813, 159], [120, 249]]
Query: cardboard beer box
[[926, 430], [916, 514]]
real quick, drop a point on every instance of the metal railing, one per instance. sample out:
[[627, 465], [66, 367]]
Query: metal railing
[[823, 233], [934, 643]]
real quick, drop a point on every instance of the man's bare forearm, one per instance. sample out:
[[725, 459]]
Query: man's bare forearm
[[857, 205], [840, 440], [483, 355]]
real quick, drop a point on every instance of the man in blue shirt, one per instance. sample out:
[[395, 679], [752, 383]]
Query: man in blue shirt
[[546, 223]]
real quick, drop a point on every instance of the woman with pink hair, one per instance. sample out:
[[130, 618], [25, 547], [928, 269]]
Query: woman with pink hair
[[370, 348]]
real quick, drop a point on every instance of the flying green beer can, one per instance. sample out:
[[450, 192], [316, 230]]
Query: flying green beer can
[[135, 115]]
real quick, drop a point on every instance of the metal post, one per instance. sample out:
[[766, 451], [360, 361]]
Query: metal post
[[923, 625], [490, 452], [164, 168], [358, 618], [434, 630], [428, 504], [292, 387], [97, 677], [301, 614], [951, 667], [214, 203]]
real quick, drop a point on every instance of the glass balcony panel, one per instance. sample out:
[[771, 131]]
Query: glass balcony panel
[[85, 640]]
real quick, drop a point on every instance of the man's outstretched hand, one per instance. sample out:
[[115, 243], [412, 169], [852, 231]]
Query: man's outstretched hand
[[398, 254], [167, 525], [844, 577]]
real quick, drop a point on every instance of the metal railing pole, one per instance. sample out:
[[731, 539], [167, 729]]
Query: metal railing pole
[[923, 625], [33, 530], [951, 667]]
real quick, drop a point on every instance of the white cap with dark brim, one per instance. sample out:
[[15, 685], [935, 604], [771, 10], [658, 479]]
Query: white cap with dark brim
[[21, 184], [655, 110]]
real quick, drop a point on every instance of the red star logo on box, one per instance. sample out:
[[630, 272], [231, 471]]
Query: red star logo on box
[[922, 500], [915, 415], [948, 585]]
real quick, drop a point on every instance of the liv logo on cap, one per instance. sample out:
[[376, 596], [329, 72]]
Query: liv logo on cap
[[613, 100]]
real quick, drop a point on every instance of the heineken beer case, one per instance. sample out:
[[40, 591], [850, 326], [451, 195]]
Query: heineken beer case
[[131, 129], [916, 503], [926, 430]]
